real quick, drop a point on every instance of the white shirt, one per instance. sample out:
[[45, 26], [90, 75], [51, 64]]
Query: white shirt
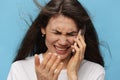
[[24, 70]]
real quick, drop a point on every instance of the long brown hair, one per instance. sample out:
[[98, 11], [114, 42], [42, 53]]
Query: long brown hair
[[34, 43]]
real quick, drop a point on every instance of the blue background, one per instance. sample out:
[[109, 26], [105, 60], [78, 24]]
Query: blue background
[[104, 13]]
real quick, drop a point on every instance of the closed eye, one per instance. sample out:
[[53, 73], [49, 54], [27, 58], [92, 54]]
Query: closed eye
[[57, 32], [72, 34]]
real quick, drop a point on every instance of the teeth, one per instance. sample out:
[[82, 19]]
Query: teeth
[[60, 48]]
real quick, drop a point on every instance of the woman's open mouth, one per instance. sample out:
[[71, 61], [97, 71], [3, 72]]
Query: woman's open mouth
[[61, 50]]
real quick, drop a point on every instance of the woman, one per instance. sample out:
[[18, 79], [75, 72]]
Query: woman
[[65, 43]]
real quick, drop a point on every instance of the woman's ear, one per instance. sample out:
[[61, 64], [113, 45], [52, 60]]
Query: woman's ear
[[43, 31]]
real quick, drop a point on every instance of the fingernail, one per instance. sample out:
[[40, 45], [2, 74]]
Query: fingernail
[[55, 54], [55, 70], [75, 44], [80, 31], [61, 63], [73, 50], [58, 57], [36, 55]]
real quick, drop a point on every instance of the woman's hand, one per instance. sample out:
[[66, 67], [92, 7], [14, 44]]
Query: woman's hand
[[76, 59], [50, 67]]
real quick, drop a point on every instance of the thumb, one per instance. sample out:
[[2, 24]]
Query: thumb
[[36, 61]]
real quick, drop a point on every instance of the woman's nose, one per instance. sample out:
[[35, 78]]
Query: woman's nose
[[63, 40]]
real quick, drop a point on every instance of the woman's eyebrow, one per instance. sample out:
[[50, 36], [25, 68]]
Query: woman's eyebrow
[[56, 31], [73, 32]]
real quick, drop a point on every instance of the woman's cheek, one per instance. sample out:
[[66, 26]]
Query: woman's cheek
[[71, 40], [50, 40]]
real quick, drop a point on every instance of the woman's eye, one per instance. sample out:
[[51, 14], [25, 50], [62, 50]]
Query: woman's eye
[[58, 33], [71, 34]]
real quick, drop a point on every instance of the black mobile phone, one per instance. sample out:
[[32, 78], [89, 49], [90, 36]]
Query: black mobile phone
[[82, 32], [73, 50]]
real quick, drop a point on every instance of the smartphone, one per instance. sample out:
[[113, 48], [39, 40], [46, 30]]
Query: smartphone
[[73, 50], [82, 32]]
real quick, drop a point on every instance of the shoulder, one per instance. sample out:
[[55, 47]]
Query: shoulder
[[22, 65], [91, 70], [28, 62], [89, 64], [22, 68]]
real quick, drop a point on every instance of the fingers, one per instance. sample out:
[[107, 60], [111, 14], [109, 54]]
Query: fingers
[[80, 47], [81, 42], [54, 66], [50, 62], [37, 61], [50, 66], [57, 71], [45, 60], [37, 65]]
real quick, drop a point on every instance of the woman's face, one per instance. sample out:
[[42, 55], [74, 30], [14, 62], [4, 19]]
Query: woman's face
[[60, 33]]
